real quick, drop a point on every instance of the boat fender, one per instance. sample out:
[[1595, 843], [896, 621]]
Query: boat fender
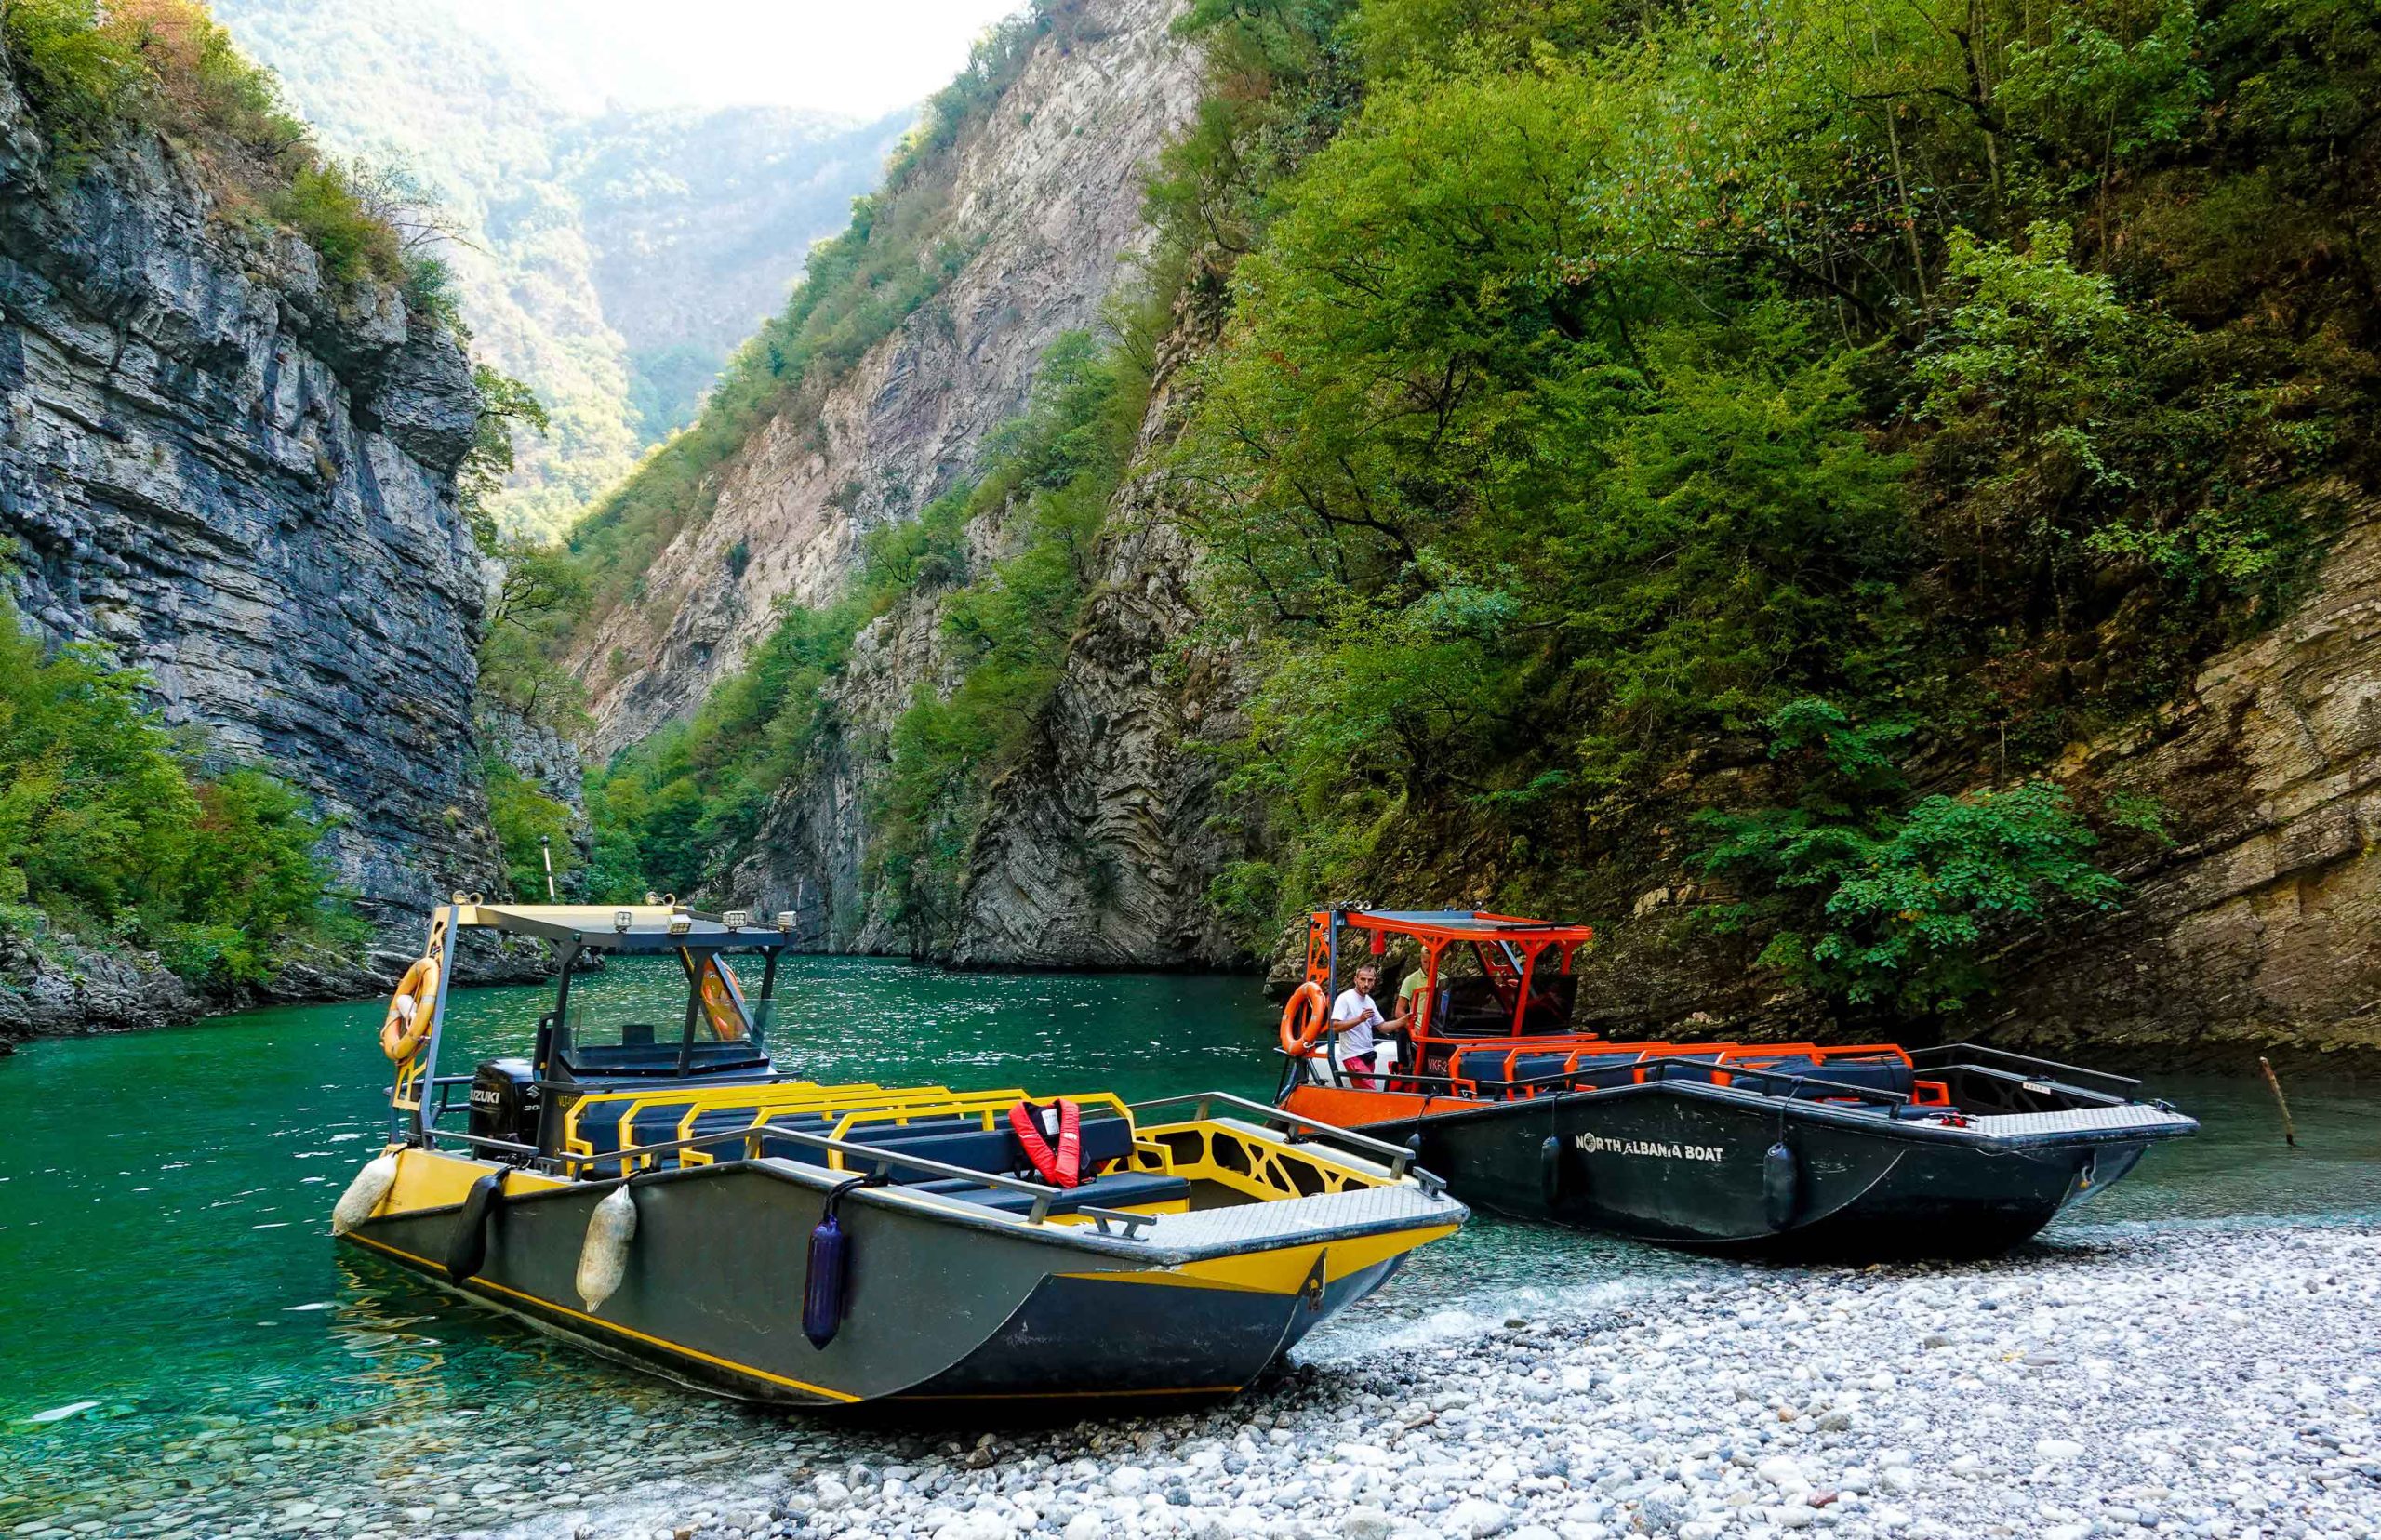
[[467, 1254], [827, 1280], [363, 1194], [604, 1257], [1550, 1169], [1781, 1180], [1062, 1167]]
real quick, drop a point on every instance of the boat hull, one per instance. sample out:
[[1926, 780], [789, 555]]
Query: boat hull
[[1688, 1165], [943, 1305]]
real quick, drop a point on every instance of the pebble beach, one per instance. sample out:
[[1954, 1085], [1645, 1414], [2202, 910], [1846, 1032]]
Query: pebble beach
[[2210, 1380]]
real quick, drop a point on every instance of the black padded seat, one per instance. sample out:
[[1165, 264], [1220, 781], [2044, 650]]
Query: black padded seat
[[1672, 1070], [1586, 1066], [1817, 1076], [1869, 1074], [1480, 1064], [1124, 1189], [901, 1133], [1537, 1066], [974, 1147]]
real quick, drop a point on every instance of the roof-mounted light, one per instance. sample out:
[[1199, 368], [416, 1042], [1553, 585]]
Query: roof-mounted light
[[681, 923], [785, 920], [622, 919], [738, 920]]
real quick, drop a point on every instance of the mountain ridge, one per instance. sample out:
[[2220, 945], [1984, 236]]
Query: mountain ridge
[[612, 260]]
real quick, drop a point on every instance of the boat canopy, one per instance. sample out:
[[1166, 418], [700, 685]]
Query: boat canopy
[[1525, 986], [718, 1031], [1463, 925], [647, 928]]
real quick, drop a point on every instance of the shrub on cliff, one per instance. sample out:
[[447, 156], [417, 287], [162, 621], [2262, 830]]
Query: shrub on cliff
[[87, 71], [530, 827], [108, 825]]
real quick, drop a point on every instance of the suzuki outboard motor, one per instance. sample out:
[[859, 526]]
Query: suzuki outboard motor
[[505, 1101]]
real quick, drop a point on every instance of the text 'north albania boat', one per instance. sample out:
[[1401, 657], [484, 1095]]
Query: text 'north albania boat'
[[667, 1197], [1779, 1148]]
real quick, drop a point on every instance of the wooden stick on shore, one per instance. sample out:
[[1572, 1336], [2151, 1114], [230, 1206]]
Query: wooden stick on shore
[[2289, 1131]]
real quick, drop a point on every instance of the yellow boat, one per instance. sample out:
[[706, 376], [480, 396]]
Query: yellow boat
[[676, 1203]]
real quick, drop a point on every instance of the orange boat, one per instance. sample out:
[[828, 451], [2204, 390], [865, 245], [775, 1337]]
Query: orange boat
[[1780, 1148]]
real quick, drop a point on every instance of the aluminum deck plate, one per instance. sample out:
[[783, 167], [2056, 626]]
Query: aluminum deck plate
[[1286, 1219], [2080, 1119]]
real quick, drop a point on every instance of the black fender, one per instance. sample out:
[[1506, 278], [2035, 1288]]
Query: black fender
[[467, 1252]]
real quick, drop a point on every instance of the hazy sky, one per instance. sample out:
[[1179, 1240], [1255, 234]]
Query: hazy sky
[[861, 57]]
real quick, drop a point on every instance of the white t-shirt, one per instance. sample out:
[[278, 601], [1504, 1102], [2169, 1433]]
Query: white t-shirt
[[1356, 1041]]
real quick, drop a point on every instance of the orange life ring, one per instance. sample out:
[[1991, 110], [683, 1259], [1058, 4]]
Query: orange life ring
[[407, 1027], [1302, 1018]]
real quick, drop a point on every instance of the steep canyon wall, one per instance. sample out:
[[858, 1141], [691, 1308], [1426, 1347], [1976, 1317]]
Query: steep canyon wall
[[1046, 205], [240, 477]]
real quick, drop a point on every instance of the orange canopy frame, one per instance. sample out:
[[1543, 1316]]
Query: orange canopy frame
[[1509, 948]]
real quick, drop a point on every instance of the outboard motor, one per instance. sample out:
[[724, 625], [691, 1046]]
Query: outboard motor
[[505, 1101]]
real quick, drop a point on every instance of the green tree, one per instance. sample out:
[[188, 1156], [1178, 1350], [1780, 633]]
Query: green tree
[[108, 825], [1882, 903]]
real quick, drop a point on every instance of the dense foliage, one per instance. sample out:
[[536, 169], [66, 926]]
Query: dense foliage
[[1751, 442], [109, 826], [1617, 377], [89, 71]]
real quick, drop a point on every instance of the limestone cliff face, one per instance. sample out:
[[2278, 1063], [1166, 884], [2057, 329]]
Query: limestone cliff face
[[240, 477], [1099, 844], [1047, 201], [1096, 847], [2261, 926]]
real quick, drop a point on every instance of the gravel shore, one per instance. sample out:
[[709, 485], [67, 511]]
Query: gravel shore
[[2216, 1381], [2200, 1383]]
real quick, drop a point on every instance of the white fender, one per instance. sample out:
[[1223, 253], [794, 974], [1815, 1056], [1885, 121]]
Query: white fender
[[363, 1194], [604, 1257]]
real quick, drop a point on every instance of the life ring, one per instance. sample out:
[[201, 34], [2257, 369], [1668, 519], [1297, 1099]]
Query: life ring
[[1302, 1020], [406, 1025]]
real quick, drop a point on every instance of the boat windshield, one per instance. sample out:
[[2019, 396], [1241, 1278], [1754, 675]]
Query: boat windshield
[[668, 1015]]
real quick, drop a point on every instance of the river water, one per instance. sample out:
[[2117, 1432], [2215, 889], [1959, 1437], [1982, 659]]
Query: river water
[[170, 1289]]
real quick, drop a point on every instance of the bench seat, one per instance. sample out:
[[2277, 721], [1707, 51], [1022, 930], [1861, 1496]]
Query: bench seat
[[1124, 1189]]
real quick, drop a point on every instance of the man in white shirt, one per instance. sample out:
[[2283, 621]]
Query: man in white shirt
[[1354, 1016]]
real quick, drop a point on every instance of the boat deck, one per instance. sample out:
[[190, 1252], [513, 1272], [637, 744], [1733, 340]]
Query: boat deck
[[2133, 1117], [1245, 1225]]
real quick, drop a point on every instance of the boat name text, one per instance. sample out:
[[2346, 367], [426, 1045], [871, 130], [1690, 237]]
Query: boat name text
[[1596, 1144]]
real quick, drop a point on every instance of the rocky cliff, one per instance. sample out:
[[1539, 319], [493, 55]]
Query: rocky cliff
[[2260, 927], [1046, 203], [240, 477], [1100, 843]]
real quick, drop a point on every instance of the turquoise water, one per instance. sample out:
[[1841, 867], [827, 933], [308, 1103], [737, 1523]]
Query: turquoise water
[[164, 1202]]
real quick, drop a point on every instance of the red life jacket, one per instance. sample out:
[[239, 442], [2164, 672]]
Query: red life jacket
[[1063, 1168]]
